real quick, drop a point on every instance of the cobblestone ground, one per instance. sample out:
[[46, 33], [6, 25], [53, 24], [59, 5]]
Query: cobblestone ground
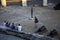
[[46, 16]]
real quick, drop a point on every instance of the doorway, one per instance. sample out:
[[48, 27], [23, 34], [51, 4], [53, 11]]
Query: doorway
[[14, 2], [35, 3], [0, 2]]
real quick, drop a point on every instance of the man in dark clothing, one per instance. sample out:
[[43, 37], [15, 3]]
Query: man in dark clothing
[[36, 21], [7, 24], [12, 26]]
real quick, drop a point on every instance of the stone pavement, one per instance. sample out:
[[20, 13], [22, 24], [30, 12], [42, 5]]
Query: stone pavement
[[46, 16]]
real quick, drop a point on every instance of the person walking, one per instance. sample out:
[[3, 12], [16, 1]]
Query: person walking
[[36, 21]]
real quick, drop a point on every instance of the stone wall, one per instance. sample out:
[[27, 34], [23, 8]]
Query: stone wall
[[54, 1], [32, 2], [35, 2]]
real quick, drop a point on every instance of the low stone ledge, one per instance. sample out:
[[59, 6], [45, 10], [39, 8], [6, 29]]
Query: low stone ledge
[[25, 35]]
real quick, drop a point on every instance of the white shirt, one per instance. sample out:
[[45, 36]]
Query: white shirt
[[4, 24], [19, 28]]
